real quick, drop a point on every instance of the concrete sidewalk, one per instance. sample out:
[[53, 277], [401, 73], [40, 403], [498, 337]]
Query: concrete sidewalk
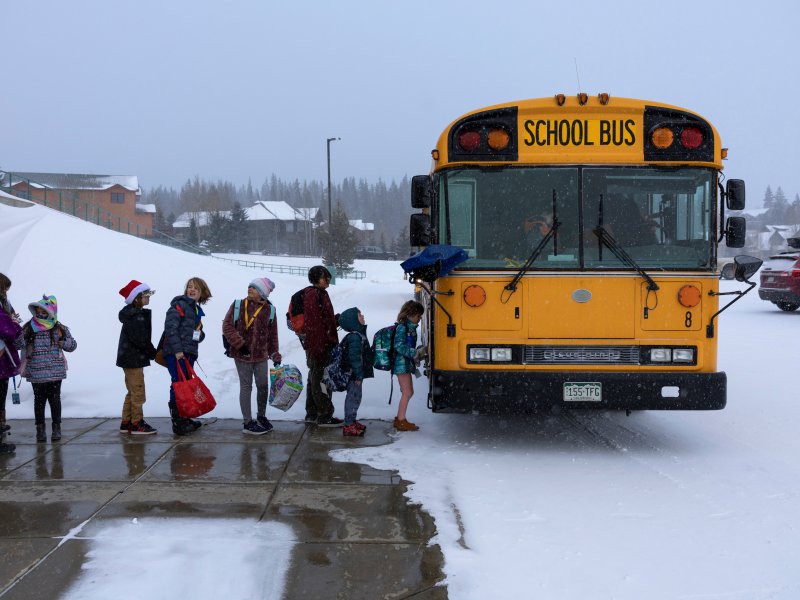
[[357, 537]]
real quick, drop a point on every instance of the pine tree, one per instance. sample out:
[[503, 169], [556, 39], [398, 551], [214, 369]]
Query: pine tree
[[238, 229], [769, 198], [338, 241], [192, 239]]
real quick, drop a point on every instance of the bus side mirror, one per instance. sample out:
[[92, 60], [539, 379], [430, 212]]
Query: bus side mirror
[[746, 267], [421, 191], [420, 230], [735, 228], [734, 193]]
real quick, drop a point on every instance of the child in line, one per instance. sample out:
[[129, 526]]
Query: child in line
[[406, 358], [46, 340], [359, 357], [9, 357], [134, 352]]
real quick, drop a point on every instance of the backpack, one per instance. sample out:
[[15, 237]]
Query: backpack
[[337, 372], [295, 317], [383, 348], [237, 305]]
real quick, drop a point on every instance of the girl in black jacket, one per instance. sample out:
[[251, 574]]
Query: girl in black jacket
[[134, 352]]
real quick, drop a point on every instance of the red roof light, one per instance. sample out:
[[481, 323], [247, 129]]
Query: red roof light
[[691, 138], [469, 140]]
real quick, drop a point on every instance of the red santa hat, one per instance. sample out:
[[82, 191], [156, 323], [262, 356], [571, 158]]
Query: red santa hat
[[133, 289]]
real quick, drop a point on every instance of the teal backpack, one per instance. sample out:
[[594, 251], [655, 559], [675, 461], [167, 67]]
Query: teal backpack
[[383, 348]]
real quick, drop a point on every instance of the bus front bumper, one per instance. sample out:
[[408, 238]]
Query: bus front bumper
[[494, 391]]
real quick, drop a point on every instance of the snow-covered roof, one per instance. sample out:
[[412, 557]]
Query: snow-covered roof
[[72, 181], [273, 211], [361, 225], [309, 213], [201, 218], [146, 208]]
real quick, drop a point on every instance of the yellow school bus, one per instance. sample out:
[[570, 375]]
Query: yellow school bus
[[591, 224]]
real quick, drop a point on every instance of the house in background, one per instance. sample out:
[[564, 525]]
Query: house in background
[[108, 200], [272, 228], [366, 231]]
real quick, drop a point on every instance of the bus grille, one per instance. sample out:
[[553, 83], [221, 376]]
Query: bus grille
[[581, 355]]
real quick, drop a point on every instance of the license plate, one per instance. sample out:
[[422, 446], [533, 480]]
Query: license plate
[[770, 279], [583, 392]]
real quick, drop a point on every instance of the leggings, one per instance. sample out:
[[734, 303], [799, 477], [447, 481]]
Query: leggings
[[43, 393]]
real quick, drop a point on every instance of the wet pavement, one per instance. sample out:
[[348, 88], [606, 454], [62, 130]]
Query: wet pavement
[[356, 534]]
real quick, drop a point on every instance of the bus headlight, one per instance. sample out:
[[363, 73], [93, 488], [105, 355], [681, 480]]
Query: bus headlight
[[501, 354], [683, 355], [479, 354], [660, 355]]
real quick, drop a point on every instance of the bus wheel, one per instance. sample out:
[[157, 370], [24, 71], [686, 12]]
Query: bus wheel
[[787, 306]]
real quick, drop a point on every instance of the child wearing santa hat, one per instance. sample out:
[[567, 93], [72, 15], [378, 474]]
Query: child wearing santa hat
[[134, 352]]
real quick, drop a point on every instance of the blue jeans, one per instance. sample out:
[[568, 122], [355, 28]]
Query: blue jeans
[[172, 367], [352, 401]]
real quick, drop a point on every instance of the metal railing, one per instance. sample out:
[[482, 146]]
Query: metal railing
[[288, 269]]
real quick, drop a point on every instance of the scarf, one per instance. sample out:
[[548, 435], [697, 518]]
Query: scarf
[[39, 324]]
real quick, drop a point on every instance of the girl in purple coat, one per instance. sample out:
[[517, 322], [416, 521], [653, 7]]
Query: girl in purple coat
[[9, 357], [46, 340]]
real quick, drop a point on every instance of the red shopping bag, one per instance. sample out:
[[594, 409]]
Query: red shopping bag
[[191, 394]]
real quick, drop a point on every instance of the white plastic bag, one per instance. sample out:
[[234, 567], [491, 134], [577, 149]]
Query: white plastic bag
[[286, 385]]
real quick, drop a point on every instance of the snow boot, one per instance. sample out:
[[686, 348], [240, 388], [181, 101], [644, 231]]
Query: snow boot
[[7, 448], [181, 425], [41, 435], [56, 432]]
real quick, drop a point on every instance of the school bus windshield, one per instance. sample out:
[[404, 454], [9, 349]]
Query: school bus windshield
[[662, 218]]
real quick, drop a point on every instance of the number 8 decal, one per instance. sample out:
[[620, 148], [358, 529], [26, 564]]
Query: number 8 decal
[[688, 319]]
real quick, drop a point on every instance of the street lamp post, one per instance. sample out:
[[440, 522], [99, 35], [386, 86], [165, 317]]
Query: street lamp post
[[330, 214]]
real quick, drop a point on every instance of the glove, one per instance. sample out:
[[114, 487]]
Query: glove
[[244, 350], [420, 354]]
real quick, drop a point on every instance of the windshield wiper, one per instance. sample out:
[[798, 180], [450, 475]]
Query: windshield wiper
[[512, 287], [618, 251]]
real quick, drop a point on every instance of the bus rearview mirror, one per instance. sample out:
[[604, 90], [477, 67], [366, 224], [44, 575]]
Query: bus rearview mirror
[[734, 193], [421, 191], [420, 230], [735, 229]]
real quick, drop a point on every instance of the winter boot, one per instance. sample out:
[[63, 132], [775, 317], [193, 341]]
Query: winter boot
[[41, 435], [7, 448], [180, 425], [56, 432], [3, 425]]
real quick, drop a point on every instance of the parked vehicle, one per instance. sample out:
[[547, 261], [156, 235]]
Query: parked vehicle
[[780, 280], [374, 252]]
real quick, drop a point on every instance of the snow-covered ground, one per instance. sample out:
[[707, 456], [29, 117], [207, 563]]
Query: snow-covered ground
[[578, 505]]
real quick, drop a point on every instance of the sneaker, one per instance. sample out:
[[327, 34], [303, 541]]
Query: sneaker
[[353, 430], [142, 428], [311, 419], [253, 428], [330, 422], [404, 425], [361, 426], [125, 427], [264, 422], [195, 424]]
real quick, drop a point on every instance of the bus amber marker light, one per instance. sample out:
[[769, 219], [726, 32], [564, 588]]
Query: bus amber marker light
[[474, 296], [662, 137], [498, 139], [689, 296]]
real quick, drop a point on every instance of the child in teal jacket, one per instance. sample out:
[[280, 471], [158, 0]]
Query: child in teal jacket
[[359, 358]]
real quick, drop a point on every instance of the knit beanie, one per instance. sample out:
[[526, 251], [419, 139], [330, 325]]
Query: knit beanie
[[263, 286], [133, 289]]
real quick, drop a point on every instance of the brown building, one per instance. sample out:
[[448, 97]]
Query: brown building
[[108, 200]]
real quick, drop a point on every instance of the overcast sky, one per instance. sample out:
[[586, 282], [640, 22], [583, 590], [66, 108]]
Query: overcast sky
[[170, 89]]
